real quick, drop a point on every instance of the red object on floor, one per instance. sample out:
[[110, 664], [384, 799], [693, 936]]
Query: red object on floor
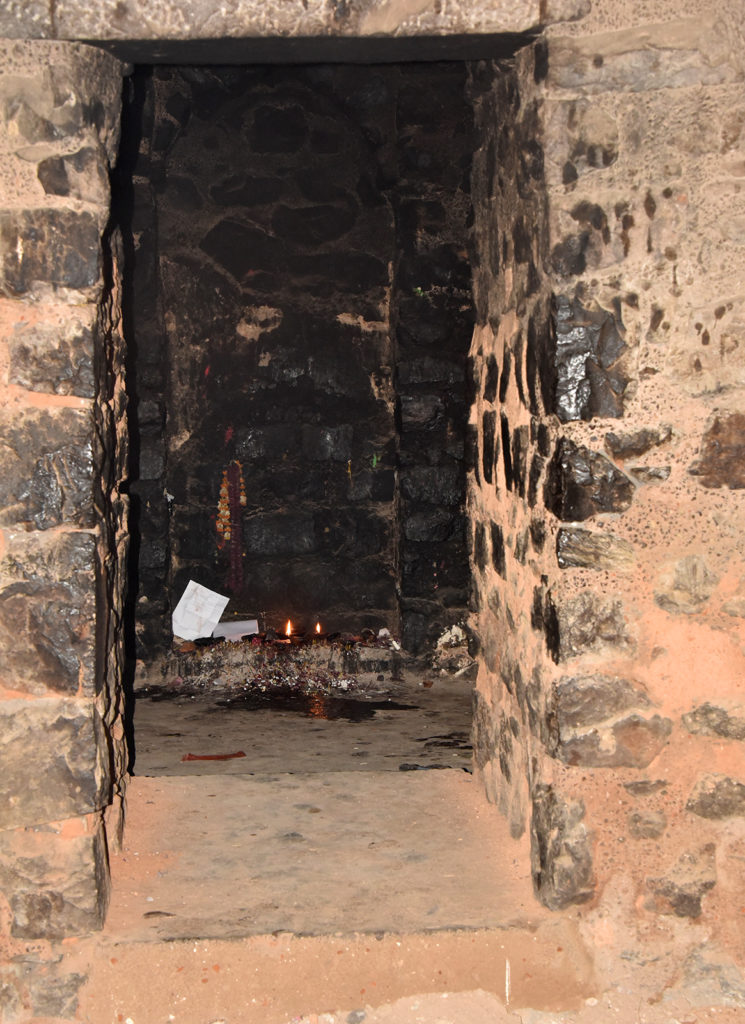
[[212, 757]]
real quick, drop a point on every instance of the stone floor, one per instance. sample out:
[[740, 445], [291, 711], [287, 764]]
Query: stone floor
[[349, 859], [401, 727]]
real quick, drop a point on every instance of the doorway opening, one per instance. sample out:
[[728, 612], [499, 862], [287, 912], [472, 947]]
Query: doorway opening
[[316, 255]]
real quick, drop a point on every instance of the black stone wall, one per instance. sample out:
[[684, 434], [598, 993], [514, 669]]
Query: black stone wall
[[301, 316], [433, 326]]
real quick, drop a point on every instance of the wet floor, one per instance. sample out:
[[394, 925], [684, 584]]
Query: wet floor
[[416, 728]]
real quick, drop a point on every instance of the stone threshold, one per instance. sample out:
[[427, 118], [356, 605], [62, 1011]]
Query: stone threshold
[[258, 898]]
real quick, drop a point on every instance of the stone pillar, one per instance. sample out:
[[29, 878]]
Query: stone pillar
[[62, 521]]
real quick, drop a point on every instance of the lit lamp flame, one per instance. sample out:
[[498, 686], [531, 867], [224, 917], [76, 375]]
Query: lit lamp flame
[[288, 628], [318, 627]]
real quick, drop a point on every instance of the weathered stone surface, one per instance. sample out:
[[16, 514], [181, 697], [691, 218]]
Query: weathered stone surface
[[54, 761], [57, 884], [53, 993], [577, 548], [654, 56], [46, 467], [589, 700], [52, 92], [636, 442], [57, 359], [160, 19], [714, 720], [680, 892], [713, 979], [590, 622], [589, 378], [57, 247], [645, 787], [560, 850], [600, 722], [647, 824], [82, 175], [716, 797], [581, 483], [544, 619], [687, 589], [735, 605], [581, 138], [47, 613], [722, 459], [650, 474]]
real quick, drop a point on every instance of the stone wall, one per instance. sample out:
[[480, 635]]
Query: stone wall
[[299, 316], [632, 773], [432, 319], [512, 436], [62, 520], [613, 726]]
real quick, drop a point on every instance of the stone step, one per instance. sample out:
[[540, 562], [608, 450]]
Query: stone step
[[274, 979], [257, 898]]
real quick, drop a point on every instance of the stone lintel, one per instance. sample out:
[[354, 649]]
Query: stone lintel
[[165, 19]]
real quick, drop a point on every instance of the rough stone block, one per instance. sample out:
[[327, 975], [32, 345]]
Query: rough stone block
[[599, 723], [582, 483], [46, 467], [659, 56], [544, 618], [47, 613], [53, 994], [589, 622], [327, 444], [560, 850], [57, 92], [680, 892], [647, 824], [82, 175], [645, 787], [589, 700], [57, 247], [632, 741], [577, 548], [634, 443], [722, 459], [54, 358], [581, 137], [21, 18], [590, 379], [280, 534], [687, 588], [717, 797], [713, 979], [55, 878], [650, 474], [433, 484], [54, 761], [714, 720], [276, 130], [735, 605], [309, 226]]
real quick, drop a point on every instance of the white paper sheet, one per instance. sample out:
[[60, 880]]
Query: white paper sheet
[[236, 629], [198, 612]]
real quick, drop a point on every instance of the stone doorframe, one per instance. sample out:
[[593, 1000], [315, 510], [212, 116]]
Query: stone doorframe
[[63, 461]]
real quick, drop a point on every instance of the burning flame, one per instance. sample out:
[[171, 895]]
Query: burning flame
[[288, 628], [318, 627]]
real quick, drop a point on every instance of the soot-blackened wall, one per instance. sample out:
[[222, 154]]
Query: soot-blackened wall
[[301, 316]]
